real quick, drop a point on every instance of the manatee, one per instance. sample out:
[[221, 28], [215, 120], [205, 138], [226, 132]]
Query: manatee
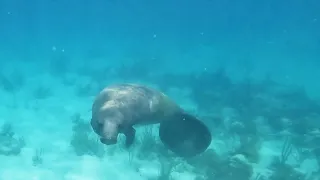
[[119, 107]]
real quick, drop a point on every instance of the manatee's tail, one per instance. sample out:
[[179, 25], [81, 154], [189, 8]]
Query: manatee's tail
[[185, 135]]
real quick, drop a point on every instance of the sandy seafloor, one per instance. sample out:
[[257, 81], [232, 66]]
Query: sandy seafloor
[[46, 124]]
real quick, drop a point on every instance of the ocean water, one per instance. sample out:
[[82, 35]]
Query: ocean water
[[248, 69]]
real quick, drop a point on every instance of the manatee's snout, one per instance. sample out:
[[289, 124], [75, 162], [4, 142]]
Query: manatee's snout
[[107, 131], [108, 141]]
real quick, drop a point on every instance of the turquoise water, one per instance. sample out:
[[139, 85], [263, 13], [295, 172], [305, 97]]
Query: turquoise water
[[249, 70]]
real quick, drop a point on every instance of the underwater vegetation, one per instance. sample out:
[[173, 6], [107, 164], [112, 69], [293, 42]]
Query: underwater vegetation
[[83, 140], [10, 143], [282, 170], [37, 158], [262, 111]]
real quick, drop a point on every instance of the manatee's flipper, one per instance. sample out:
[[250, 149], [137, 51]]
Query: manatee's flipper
[[110, 131], [130, 136], [185, 135]]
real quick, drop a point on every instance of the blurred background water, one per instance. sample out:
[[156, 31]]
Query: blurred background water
[[257, 58]]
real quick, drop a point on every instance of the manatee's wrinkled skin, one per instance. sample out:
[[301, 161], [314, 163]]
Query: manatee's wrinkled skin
[[118, 108]]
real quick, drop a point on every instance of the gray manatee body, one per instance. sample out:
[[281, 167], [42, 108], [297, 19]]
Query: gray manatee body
[[117, 108]]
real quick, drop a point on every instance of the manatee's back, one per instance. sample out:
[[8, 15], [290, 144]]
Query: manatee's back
[[134, 102]]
